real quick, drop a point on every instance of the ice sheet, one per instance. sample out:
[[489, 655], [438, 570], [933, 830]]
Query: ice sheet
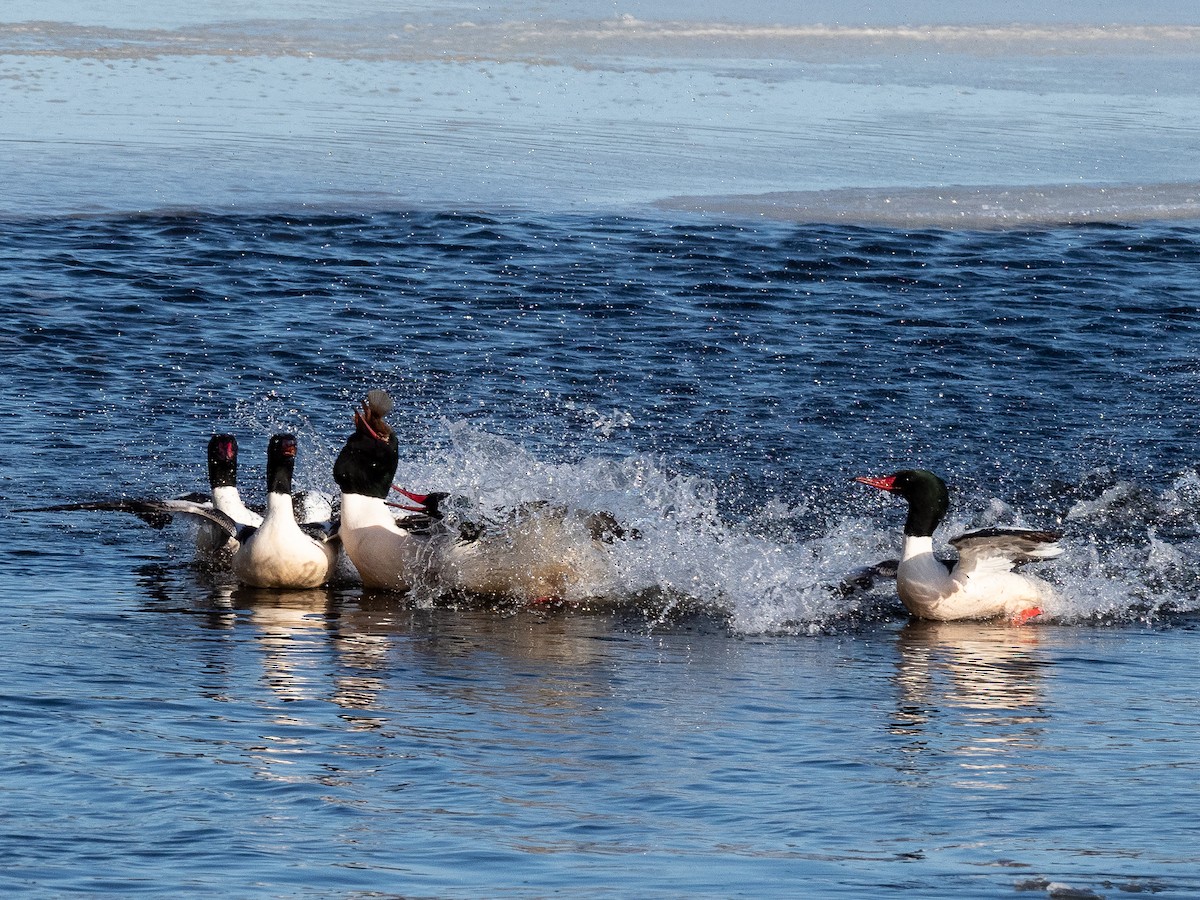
[[457, 106]]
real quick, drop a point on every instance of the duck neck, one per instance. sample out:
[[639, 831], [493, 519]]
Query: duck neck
[[922, 520], [279, 505], [279, 478], [226, 497], [917, 545], [362, 510]]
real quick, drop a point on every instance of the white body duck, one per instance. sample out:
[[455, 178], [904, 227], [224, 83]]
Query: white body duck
[[539, 552], [213, 541], [277, 553], [982, 585]]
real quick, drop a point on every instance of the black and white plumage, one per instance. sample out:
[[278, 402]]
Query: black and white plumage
[[282, 553], [212, 541], [276, 553], [982, 585], [310, 506], [536, 552]]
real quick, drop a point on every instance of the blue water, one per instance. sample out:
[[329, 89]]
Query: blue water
[[726, 720], [572, 241]]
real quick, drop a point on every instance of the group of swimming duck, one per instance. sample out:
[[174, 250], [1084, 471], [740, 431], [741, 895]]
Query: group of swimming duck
[[538, 552]]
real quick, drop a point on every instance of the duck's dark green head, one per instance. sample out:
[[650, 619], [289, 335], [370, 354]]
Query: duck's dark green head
[[222, 461], [927, 495], [281, 463], [367, 464]]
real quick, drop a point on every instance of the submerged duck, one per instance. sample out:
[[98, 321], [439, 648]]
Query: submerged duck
[[982, 585], [276, 553], [536, 552]]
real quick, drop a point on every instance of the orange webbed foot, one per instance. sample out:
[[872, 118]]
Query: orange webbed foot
[[1026, 614]]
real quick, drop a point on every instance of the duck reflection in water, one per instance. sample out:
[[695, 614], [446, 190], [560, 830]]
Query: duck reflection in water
[[346, 645], [969, 690], [296, 630]]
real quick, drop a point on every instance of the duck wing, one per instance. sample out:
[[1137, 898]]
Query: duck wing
[[155, 513], [322, 532], [1003, 549]]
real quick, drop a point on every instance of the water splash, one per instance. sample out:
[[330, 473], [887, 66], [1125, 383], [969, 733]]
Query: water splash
[[1130, 551], [688, 552], [1134, 551]]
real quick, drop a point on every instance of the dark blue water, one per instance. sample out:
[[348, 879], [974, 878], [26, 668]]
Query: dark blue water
[[726, 721], [785, 355]]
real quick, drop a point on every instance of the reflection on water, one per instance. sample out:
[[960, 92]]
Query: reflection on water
[[274, 735], [291, 628], [343, 645], [337, 688], [969, 679]]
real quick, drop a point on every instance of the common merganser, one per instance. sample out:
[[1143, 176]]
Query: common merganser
[[538, 552], [214, 543], [310, 505], [281, 553], [211, 540], [277, 553], [983, 584]]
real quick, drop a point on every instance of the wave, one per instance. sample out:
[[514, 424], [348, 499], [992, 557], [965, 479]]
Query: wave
[[959, 206], [800, 565], [564, 41]]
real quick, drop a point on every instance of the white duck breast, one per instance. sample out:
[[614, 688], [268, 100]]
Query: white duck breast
[[386, 555], [278, 553], [538, 553], [983, 584]]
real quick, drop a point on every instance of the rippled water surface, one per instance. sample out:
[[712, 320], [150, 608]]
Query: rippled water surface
[[730, 718], [570, 240]]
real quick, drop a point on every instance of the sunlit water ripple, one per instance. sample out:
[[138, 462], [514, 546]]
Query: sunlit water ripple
[[728, 720]]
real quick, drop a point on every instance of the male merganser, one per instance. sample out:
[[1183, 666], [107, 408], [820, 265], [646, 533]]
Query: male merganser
[[214, 543], [211, 540], [539, 552], [384, 552], [983, 584], [311, 507], [281, 553], [277, 553]]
